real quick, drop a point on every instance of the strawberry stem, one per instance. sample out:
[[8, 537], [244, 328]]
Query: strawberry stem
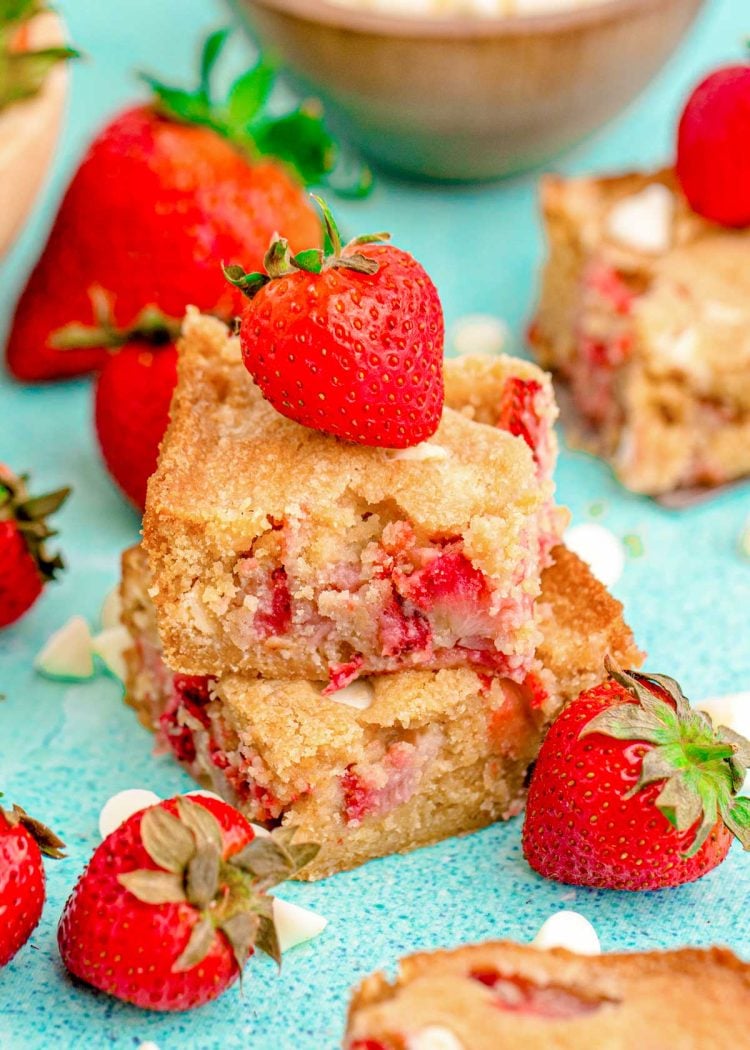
[[299, 138], [701, 768], [279, 262]]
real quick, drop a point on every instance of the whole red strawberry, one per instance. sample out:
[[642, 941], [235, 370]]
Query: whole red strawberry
[[23, 840], [348, 341], [713, 158], [25, 565], [181, 885], [166, 191], [634, 789], [131, 412]]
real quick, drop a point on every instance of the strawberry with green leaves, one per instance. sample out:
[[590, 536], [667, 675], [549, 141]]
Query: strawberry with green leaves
[[24, 68], [173, 903], [634, 789], [348, 340], [23, 843], [166, 191], [25, 563]]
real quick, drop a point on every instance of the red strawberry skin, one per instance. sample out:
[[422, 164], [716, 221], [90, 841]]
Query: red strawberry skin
[[20, 581], [151, 213], [580, 829], [355, 355], [131, 413], [713, 158], [21, 887], [127, 948]]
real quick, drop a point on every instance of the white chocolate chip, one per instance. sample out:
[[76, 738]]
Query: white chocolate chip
[[644, 221], [68, 652], [732, 711], [295, 925], [420, 453], [111, 609], [568, 929], [602, 551], [148, 1045], [479, 334], [124, 804], [110, 646], [358, 695], [435, 1037], [717, 312]]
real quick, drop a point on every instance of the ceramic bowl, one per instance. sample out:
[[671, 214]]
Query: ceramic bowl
[[28, 135], [464, 98]]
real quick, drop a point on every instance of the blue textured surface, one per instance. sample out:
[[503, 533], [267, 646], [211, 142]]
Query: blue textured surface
[[64, 750]]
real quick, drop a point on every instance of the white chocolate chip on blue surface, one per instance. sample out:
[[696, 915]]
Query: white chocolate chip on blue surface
[[602, 551], [571, 930]]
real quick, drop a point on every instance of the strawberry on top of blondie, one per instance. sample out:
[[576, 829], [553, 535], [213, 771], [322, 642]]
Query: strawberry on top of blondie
[[281, 551]]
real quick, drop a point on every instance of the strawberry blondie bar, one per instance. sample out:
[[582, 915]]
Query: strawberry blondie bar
[[389, 763], [644, 315], [503, 995], [283, 552]]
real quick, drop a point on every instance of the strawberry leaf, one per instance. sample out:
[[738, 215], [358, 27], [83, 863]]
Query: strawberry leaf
[[248, 95], [166, 840], [298, 139], [241, 930], [47, 841], [187, 107], [311, 261], [212, 48], [248, 283], [701, 768], [203, 824], [153, 887], [203, 876], [197, 948], [737, 819], [626, 722]]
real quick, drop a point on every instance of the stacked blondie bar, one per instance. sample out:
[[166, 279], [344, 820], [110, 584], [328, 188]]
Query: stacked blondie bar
[[362, 644]]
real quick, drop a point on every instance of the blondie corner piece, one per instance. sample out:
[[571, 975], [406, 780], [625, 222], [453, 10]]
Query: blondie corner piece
[[645, 316], [283, 552], [502, 996], [421, 756]]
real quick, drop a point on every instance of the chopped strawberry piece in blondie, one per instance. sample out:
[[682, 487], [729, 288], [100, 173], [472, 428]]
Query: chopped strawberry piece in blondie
[[321, 559], [366, 771]]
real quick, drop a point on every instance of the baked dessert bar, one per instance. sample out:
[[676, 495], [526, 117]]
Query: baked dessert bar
[[420, 757], [645, 316], [503, 995], [289, 554]]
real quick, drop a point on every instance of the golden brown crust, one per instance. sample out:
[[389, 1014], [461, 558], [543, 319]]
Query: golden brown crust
[[304, 740], [690, 999], [231, 469]]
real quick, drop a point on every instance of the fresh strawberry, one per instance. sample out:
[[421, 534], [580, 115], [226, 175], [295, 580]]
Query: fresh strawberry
[[634, 789], [25, 564], [131, 412], [518, 411], [713, 160], [181, 885], [348, 341], [23, 840], [166, 191]]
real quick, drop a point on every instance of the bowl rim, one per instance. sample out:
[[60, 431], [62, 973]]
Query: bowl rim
[[460, 26]]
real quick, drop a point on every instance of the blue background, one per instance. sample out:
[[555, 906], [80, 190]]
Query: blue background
[[65, 749]]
